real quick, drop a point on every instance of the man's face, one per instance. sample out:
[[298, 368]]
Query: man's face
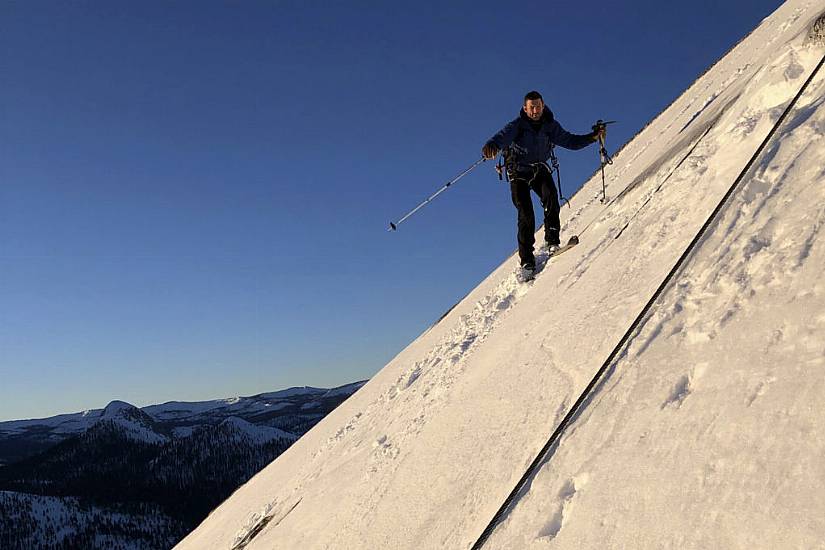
[[534, 108]]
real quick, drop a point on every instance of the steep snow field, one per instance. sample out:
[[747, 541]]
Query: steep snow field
[[706, 431], [709, 430]]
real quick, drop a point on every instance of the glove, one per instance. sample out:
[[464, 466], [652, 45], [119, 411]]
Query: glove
[[490, 150], [599, 131]]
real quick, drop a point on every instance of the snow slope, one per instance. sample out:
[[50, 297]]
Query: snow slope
[[704, 432]]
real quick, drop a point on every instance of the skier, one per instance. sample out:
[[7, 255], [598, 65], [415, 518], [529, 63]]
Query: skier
[[526, 144]]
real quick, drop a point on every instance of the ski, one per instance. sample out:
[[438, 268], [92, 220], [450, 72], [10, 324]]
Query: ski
[[528, 275], [573, 241]]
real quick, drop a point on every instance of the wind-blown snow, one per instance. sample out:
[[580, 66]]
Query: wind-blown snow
[[705, 431]]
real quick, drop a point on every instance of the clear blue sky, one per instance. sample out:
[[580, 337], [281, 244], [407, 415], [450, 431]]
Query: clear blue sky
[[194, 195]]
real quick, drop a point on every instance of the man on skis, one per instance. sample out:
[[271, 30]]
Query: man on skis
[[526, 143]]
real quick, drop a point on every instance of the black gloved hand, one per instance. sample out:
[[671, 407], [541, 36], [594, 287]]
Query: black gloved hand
[[490, 150], [599, 131]]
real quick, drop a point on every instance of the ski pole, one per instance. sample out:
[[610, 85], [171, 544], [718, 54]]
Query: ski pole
[[604, 158], [394, 226]]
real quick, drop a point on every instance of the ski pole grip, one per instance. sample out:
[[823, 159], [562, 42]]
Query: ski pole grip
[[602, 124]]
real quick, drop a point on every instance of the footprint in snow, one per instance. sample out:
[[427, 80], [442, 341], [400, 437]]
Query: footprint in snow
[[761, 389], [685, 386], [564, 506], [412, 377], [383, 451]]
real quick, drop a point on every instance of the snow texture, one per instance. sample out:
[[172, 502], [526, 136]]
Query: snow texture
[[706, 430]]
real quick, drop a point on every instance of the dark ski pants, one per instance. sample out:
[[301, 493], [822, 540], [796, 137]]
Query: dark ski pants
[[540, 181]]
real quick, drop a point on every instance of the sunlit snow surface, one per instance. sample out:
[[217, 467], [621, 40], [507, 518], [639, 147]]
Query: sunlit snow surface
[[707, 431]]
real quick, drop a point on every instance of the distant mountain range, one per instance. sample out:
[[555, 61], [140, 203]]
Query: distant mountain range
[[134, 477], [293, 410]]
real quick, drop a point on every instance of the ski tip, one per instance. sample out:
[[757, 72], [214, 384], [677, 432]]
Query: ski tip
[[393, 227]]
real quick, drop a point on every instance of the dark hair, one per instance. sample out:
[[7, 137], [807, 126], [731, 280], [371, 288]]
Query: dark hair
[[534, 95]]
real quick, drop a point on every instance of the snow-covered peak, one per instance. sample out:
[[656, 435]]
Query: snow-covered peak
[[705, 317], [117, 409], [132, 422]]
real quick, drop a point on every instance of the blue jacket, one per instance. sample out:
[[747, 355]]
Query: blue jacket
[[523, 145]]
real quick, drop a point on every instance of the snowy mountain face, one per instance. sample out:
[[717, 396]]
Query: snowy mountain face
[[690, 400], [132, 422]]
